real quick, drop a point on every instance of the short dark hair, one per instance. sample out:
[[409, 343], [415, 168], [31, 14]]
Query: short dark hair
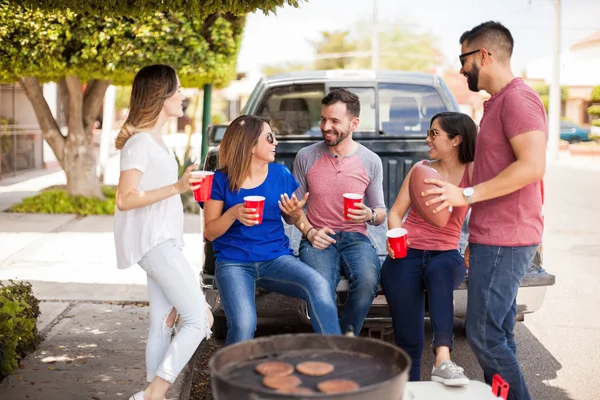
[[490, 34], [459, 124], [345, 96]]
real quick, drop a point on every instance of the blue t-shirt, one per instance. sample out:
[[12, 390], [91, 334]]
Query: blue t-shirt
[[262, 242]]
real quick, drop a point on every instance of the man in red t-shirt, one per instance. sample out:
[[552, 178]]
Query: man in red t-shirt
[[506, 223]]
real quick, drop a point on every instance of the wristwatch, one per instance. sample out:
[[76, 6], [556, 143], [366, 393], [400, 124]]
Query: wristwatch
[[374, 217], [468, 193]]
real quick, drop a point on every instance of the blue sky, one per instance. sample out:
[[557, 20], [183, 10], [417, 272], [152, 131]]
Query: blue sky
[[286, 36]]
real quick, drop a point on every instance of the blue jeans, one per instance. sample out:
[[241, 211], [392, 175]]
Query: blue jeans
[[354, 255], [494, 276], [404, 281], [237, 281]]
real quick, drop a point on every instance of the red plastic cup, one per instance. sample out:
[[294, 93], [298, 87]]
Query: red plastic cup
[[397, 239], [257, 202], [349, 200], [202, 194]]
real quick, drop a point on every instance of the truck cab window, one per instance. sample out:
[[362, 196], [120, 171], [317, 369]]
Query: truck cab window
[[406, 109], [293, 109]]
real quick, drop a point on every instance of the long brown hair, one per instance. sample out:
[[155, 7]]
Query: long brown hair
[[152, 85], [235, 152], [459, 124]]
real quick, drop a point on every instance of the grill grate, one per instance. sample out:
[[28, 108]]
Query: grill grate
[[361, 368]]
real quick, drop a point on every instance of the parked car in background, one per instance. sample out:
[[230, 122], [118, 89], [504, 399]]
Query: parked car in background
[[215, 133], [573, 133], [396, 109]]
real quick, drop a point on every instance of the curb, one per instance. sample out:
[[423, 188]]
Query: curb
[[189, 372]]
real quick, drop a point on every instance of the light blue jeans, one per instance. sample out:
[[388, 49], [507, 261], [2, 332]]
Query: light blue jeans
[[237, 281], [354, 255], [171, 283], [494, 276]]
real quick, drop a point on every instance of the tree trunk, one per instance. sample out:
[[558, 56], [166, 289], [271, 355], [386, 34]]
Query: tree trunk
[[75, 152], [80, 164]]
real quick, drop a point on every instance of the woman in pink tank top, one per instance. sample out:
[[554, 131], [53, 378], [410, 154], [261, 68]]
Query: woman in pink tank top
[[433, 263]]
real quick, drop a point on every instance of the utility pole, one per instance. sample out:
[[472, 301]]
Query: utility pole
[[554, 101], [206, 118], [375, 39]]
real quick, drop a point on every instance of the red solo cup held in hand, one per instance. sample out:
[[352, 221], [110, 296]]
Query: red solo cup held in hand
[[256, 202], [349, 200], [202, 194], [398, 241]]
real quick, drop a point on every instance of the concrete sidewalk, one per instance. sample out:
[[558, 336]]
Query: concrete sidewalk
[[14, 189], [67, 257], [94, 316], [91, 351]]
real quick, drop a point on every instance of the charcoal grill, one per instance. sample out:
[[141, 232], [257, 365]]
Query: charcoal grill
[[380, 368]]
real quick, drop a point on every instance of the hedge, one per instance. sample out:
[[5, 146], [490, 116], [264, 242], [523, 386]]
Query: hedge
[[56, 201], [19, 311]]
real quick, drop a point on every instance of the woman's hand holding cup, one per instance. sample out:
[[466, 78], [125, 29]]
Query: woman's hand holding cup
[[184, 184], [246, 216]]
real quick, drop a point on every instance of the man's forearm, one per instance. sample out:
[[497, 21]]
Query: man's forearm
[[511, 179], [381, 213]]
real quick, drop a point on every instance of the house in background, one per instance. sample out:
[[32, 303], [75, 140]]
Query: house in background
[[579, 73], [21, 145]]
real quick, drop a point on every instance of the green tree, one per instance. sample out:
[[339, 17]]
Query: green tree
[[594, 111], [287, 67], [595, 97], [401, 48], [544, 91], [336, 46], [122, 97], [189, 7], [84, 53]]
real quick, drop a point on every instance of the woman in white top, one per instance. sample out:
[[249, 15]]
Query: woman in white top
[[149, 228]]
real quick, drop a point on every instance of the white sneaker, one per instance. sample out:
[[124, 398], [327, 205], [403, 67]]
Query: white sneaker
[[449, 374], [137, 396]]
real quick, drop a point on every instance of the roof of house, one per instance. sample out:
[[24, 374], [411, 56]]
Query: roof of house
[[592, 39]]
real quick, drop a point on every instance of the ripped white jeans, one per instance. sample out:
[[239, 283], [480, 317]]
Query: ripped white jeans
[[171, 283]]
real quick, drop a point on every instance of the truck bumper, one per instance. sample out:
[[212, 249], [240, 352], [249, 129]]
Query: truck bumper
[[529, 299]]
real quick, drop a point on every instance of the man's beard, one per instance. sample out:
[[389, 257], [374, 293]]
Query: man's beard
[[337, 139], [473, 79]]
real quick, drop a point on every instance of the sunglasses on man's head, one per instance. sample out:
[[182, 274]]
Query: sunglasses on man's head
[[463, 57]]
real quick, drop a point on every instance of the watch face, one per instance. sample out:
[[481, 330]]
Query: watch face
[[468, 192]]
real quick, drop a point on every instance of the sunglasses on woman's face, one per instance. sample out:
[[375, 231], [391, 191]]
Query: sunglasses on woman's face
[[432, 133], [270, 137]]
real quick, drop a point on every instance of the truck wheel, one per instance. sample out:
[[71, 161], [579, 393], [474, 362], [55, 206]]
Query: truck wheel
[[219, 327]]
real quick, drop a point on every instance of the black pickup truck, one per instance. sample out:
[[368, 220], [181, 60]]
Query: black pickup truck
[[396, 108]]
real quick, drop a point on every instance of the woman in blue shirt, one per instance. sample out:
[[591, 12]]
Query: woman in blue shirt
[[248, 253]]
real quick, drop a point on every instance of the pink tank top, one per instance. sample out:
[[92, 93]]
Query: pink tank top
[[424, 236]]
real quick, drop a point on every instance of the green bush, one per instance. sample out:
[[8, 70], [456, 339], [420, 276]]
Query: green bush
[[19, 311], [595, 97], [57, 201], [596, 122], [594, 110]]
